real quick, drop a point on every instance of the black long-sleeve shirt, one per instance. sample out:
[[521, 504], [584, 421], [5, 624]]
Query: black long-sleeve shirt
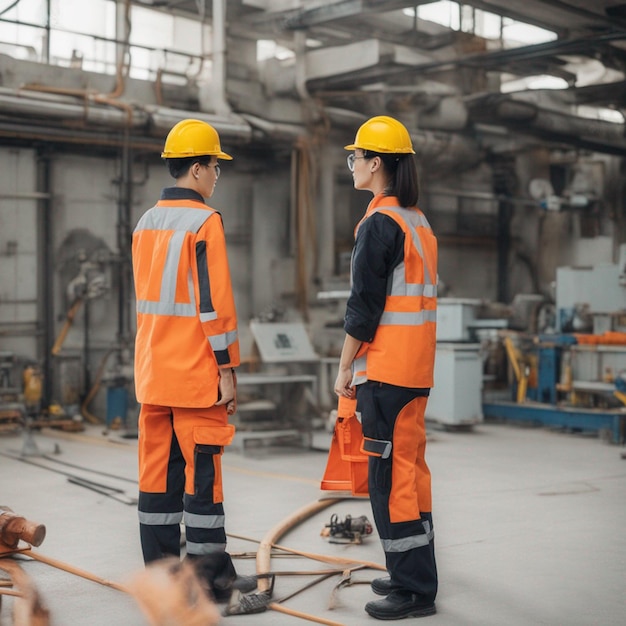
[[378, 249]]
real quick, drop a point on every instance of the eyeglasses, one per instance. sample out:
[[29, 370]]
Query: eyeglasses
[[351, 159], [217, 168]]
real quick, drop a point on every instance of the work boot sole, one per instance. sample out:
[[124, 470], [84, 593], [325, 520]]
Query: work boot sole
[[409, 612]]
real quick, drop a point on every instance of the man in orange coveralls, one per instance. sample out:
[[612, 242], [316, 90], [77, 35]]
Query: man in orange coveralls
[[185, 351]]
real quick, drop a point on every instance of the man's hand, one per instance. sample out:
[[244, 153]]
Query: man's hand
[[227, 390]]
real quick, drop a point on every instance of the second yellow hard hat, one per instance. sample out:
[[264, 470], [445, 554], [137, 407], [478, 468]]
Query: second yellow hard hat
[[383, 134]]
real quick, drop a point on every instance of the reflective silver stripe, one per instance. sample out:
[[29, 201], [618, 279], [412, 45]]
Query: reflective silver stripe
[[358, 380], [415, 289], [411, 318], [398, 281], [166, 308], [413, 220], [160, 519], [205, 548], [221, 342], [208, 317], [407, 543], [204, 521], [399, 287], [170, 269], [359, 367], [417, 242], [182, 221], [174, 218]]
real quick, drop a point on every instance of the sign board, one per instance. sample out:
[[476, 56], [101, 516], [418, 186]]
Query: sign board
[[283, 342]]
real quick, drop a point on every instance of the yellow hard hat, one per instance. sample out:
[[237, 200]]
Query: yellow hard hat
[[190, 138], [383, 134]]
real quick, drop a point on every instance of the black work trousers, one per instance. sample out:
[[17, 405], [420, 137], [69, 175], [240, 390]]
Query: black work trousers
[[400, 485]]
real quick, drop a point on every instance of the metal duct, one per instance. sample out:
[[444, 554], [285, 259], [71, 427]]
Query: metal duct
[[529, 118], [56, 106], [230, 126], [59, 107], [275, 130]]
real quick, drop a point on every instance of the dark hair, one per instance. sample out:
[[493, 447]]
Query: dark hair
[[403, 183], [179, 167]]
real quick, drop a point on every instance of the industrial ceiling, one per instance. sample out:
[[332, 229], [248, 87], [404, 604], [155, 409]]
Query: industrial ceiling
[[355, 58], [368, 54]]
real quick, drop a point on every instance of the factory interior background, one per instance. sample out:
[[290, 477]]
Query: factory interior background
[[515, 111]]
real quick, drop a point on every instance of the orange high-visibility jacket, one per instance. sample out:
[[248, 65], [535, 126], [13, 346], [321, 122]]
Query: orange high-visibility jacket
[[403, 349], [186, 318]]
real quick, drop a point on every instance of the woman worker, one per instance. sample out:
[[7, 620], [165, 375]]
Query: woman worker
[[387, 361]]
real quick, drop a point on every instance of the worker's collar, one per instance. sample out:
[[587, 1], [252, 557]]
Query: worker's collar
[[380, 200], [180, 193]]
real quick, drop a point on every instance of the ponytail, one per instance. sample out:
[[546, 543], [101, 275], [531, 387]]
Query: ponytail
[[403, 181]]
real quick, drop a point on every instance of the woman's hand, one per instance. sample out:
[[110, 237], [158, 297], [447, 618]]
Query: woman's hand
[[343, 386], [343, 383]]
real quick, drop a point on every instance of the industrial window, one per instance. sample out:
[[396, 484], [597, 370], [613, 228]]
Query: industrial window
[[82, 34], [465, 18]]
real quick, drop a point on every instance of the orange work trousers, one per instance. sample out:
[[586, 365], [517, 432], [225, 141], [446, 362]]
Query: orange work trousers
[[180, 479]]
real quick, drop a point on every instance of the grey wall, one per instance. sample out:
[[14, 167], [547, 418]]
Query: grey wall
[[18, 252]]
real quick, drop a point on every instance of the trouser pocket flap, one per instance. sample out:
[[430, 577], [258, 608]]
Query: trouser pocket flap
[[376, 447], [214, 435]]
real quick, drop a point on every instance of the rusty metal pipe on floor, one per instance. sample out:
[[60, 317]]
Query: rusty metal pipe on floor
[[14, 528]]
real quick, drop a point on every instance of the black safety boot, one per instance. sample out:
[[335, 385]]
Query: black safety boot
[[382, 586], [400, 604], [244, 584]]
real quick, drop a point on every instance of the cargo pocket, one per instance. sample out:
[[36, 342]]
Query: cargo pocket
[[209, 447], [376, 447], [380, 464]]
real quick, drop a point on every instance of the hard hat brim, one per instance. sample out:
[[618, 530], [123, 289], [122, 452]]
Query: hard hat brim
[[353, 146], [219, 155]]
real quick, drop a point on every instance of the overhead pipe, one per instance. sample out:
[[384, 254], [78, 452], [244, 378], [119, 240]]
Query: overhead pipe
[[231, 126], [528, 117], [61, 105], [275, 130], [444, 147], [217, 94], [64, 106]]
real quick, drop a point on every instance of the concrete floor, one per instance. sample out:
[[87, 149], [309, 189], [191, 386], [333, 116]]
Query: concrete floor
[[530, 527]]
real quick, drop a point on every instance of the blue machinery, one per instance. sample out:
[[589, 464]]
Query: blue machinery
[[562, 384]]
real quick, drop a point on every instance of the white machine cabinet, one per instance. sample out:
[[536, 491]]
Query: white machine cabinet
[[456, 398]]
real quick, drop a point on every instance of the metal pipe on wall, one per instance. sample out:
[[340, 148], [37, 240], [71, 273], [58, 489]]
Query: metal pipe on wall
[[125, 198], [45, 263], [219, 58]]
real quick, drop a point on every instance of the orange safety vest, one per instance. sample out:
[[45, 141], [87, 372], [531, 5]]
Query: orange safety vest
[[186, 318], [403, 349]]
